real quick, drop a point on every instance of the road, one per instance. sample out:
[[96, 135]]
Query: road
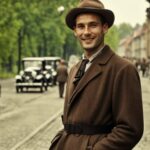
[[30, 120], [144, 144], [24, 114]]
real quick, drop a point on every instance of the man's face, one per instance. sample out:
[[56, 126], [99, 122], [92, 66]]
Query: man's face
[[90, 31]]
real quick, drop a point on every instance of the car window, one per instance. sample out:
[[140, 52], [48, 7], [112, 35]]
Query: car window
[[28, 64]]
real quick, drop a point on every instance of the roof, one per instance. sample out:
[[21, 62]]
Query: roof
[[33, 58], [52, 58], [40, 58]]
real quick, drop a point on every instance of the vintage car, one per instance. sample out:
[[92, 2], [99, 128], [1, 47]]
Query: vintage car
[[34, 74], [53, 62]]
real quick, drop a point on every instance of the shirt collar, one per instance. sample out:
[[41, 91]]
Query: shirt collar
[[94, 55]]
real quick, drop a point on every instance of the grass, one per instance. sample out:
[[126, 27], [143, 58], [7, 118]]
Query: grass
[[6, 75]]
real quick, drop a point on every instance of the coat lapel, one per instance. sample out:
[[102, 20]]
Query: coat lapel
[[94, 70], [89, 75], [70, 85]]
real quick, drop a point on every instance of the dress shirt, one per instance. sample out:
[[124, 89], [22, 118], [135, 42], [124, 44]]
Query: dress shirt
[[91, 58]]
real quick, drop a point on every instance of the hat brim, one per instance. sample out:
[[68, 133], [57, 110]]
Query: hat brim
[[108, 15]]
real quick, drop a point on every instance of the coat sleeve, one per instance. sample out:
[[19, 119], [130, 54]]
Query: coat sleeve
[[127, 112]]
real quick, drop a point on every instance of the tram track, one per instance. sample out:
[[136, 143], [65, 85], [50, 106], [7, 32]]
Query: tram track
[[10, 111], [26, 115], [49, 123]]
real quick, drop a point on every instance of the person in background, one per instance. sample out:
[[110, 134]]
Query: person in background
[[103, 103], [62, 75], [144, 66]]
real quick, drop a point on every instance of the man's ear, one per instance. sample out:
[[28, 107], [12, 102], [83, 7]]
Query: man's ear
[[105, 28]]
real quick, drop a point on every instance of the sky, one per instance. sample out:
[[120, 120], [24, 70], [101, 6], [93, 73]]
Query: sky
[[128, 11]]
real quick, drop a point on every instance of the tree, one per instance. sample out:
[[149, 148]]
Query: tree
[[124, 30], [36, 28], [112, 37], [148, 10]]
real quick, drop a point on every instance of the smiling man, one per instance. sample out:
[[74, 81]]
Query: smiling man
[[90, 31], [103, 102]]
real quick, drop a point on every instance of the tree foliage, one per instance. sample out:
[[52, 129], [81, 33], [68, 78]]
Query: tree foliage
[[124, 30], [36, 28], [112, 37], [148, 1]]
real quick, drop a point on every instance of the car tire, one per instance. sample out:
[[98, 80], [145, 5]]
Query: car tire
[[17, 89], [41, 89], [21, 89]]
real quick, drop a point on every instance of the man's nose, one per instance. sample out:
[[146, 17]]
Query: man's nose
[[86, 30]]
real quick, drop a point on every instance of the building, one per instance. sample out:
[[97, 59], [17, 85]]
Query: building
[[136, 45]]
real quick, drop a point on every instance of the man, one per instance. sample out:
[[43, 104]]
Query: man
[[62, 75], [103, 108]]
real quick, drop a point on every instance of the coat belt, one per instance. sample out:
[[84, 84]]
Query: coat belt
[[87, 129]]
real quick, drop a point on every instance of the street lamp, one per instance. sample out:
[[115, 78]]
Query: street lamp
[[61, 9]]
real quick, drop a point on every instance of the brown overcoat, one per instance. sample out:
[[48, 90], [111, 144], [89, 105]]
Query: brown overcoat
[[108, 93]]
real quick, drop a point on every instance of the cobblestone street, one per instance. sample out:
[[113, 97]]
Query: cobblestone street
[[28, 120]]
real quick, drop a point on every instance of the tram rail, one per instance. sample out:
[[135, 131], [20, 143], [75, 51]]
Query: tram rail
[[48, 123]]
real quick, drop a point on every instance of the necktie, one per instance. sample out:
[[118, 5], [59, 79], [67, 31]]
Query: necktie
[[81, 70]]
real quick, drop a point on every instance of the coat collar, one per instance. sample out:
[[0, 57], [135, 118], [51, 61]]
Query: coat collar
[[105, 55], [94, 70]]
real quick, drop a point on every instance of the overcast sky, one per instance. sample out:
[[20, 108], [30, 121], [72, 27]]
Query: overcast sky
[[129, 11]]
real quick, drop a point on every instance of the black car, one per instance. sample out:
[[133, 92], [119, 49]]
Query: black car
[[34, 74], [53, 62]]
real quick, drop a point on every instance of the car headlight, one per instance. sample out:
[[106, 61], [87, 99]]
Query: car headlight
[[48, 67], [27, 78], [18, 77], [54, 73], [44, 72], [34, 73], [21, 72], [39, 77], [48, 76]]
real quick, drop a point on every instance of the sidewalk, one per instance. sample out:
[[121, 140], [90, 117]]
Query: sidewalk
[[144, 143]]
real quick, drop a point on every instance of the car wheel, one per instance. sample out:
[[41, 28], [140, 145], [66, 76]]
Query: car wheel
[[21, 89], [17, 89], [46, 88], [41, 89]]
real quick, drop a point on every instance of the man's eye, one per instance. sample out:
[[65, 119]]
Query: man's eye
[[94, 25], [80, 26]]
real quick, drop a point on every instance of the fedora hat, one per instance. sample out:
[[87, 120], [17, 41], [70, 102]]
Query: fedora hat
[[90, 6]]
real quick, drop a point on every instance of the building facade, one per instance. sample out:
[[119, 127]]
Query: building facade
[[136, 45]]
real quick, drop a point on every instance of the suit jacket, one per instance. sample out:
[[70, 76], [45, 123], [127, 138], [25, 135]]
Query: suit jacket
[[108, 93], [62, 73]]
